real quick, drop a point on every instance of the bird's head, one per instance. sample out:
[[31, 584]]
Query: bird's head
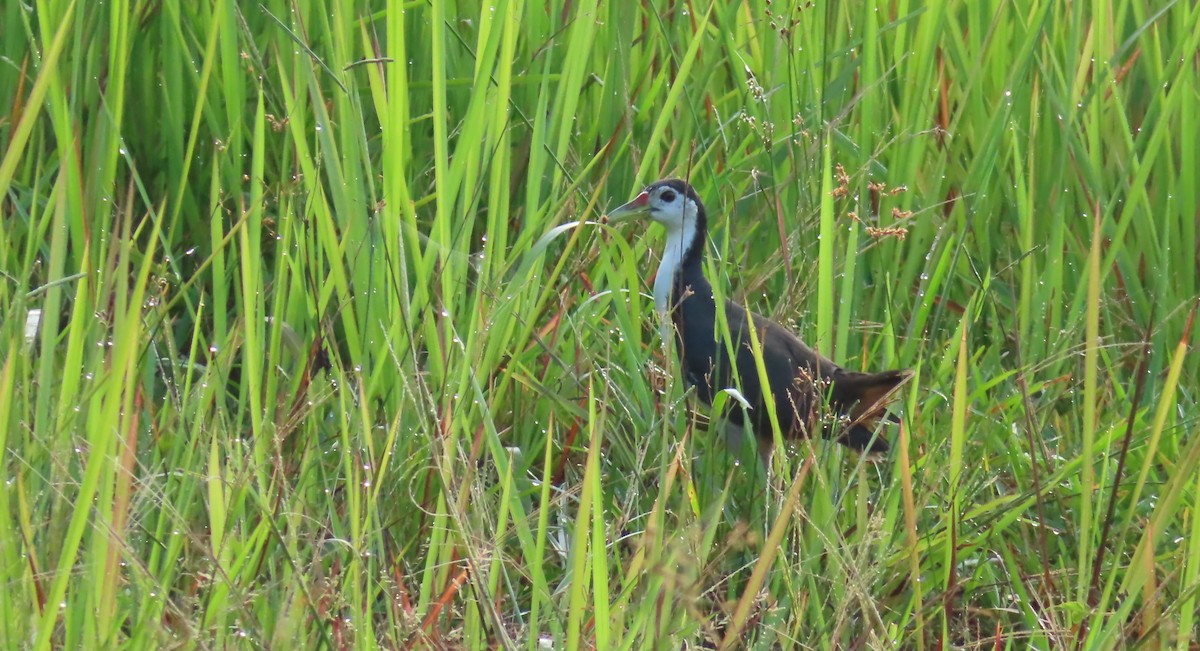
[[670, 202]]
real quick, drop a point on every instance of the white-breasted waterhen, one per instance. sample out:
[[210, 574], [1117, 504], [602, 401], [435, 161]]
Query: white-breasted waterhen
[[804, 384]]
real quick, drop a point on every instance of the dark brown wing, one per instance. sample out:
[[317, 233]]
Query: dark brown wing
[[800, 375], [807, 379], [796, 373]]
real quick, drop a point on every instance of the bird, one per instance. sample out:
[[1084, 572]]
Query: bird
[[807, 387]]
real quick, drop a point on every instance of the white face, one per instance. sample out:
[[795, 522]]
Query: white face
[[669, 207]]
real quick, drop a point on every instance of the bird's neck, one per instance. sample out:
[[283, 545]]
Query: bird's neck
[[682, 264]]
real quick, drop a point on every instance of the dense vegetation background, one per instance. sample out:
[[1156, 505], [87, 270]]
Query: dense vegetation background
[[311, 336]]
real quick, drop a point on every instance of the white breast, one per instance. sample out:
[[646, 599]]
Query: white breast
[[679, 237], [664, 280]]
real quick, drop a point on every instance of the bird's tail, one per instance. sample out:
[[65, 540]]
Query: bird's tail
[[867, 395]]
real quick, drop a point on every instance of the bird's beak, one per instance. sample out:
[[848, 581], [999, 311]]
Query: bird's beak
[[636, 208]]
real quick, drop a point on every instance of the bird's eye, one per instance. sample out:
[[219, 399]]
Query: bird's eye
[[667, 196]]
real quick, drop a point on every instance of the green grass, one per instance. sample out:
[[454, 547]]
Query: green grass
[[311, 337]]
